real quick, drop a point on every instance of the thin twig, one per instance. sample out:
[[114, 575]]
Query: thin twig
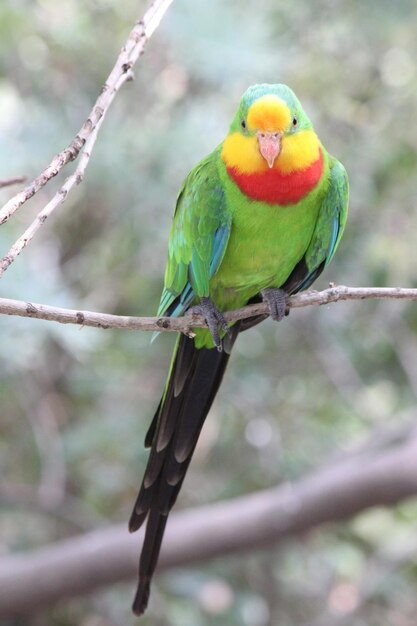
[[86, 137], [188, 322], [12, 181], [56, 200]]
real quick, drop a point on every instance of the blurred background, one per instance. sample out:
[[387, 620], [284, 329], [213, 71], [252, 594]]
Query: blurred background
[[75, 404]]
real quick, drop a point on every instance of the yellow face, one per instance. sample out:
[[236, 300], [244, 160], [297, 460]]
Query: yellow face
[[271, 117], [269, 114]]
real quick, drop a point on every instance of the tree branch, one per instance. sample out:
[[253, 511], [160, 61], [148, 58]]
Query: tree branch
[[76, 566], [12, 181], [86, 137], [186, 323]]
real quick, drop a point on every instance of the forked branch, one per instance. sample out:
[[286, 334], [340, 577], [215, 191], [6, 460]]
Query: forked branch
[[86, 137]]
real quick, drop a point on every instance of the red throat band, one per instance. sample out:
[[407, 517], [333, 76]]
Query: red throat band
[[273, 187]]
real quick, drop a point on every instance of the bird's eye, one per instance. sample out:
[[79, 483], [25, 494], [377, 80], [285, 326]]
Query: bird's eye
[[294, 122], [243, 124]]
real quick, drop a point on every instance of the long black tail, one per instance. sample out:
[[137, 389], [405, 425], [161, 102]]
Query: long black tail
[[193, 382]]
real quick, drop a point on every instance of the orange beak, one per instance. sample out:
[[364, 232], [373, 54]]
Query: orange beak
[[269, 145]]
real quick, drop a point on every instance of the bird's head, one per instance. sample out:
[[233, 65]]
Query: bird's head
[[270, 130]]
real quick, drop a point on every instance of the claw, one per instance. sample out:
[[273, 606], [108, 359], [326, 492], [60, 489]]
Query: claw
[[214, 320], [277, 301]]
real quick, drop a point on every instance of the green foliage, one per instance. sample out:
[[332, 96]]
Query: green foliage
[[292, 396]]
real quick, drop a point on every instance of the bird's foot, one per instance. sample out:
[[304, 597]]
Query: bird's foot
[[277, 302], [214, 319]]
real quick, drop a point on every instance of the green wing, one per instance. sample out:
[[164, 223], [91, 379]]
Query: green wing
[[327, 233], [199, 234]]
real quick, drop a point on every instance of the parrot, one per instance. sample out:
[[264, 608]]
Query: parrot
[[258, 219]]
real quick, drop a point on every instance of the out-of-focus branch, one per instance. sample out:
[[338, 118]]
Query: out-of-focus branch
[[336, 492], [41, 406], [17, 180], [86, 137], [71, 510], [186, 323]]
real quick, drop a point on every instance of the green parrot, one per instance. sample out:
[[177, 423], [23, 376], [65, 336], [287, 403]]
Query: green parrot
[[257, 219]]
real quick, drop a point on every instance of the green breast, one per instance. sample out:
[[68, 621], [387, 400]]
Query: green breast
[[265, 244]]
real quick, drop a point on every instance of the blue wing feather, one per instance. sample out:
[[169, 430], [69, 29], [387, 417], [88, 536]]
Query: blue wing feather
[[196, 251]]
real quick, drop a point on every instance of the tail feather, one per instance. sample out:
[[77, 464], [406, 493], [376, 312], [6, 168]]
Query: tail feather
[[185, 358], [193, 382], [152, 427], [149, 558], [207, 375]]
